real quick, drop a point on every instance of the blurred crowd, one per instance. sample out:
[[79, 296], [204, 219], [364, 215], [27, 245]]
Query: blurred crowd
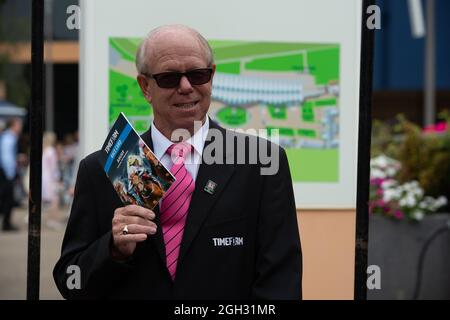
[[59, 160]]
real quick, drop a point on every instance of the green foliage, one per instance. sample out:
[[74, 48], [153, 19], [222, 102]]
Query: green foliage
[[424, 154]]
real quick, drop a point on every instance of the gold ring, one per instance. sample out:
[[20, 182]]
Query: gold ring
[[125, 230]]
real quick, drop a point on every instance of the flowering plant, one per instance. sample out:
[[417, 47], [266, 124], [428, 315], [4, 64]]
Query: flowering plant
[[440, 127], [390, 198]]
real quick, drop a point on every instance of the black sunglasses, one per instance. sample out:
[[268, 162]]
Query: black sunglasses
[[170, 80]]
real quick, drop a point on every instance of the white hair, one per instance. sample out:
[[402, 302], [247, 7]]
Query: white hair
[[141, 54]]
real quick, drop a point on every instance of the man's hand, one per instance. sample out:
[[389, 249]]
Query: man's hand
[[138, 221]]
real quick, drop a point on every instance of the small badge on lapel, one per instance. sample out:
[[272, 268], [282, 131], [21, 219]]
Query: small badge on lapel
[[210, 187]]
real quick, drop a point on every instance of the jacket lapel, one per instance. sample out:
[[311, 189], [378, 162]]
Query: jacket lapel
[[202, 201]]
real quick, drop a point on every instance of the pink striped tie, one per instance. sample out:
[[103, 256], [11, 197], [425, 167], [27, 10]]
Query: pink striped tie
[[175, 204]]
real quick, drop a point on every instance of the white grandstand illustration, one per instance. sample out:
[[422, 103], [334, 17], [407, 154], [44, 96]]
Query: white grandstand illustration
[[249, 91]]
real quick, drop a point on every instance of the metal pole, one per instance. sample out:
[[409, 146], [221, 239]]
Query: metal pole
[[364, 140], [49, 88], [429, 112], [37, 102]]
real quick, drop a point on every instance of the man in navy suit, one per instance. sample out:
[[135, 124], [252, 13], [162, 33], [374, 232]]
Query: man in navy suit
[[234, 233]]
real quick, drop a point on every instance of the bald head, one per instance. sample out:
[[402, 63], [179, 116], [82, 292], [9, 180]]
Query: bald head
[[149, 46]]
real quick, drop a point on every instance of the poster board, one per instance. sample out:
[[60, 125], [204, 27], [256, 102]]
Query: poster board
[[305, 53]]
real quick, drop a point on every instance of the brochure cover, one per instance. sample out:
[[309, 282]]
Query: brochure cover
[[136, 174]]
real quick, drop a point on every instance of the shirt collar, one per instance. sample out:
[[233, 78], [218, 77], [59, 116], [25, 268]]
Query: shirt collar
[[161, 143]]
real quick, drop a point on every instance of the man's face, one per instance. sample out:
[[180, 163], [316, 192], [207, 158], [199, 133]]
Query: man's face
[[177, 107], [17, 126]]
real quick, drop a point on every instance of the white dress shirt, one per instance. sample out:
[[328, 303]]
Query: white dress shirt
[[192, 163]]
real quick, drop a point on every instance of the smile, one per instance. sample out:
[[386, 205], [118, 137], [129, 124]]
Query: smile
[[186, 105]]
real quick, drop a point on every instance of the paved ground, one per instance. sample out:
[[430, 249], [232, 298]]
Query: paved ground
[[13, 257]]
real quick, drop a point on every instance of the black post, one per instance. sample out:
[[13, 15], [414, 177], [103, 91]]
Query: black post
[[37, 101], [364, 140]]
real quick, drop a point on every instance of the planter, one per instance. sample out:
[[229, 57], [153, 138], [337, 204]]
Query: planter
[[395, 247]]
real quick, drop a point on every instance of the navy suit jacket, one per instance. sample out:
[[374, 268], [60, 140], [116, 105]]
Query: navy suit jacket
[[241, 242]]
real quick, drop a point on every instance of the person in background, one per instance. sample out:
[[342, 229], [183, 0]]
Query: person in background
[[50, 179], [8, 170], [71, 164]]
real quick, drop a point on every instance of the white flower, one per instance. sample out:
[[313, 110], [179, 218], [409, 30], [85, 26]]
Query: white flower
[[402, 202], [431, 204], [415, 184], [387, 184], [390, 171], [435, 204], [411, 201], [412, 192], [408, 201], [423, 205], [419, 193], [441, 201], [411, 186], [391, 194], [383, 162], [383, 167], [410, 196], [380, 161], [377, 174], [418, 215]]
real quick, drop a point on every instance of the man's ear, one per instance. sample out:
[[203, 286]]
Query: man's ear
[[213, 72], [144, 85]]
